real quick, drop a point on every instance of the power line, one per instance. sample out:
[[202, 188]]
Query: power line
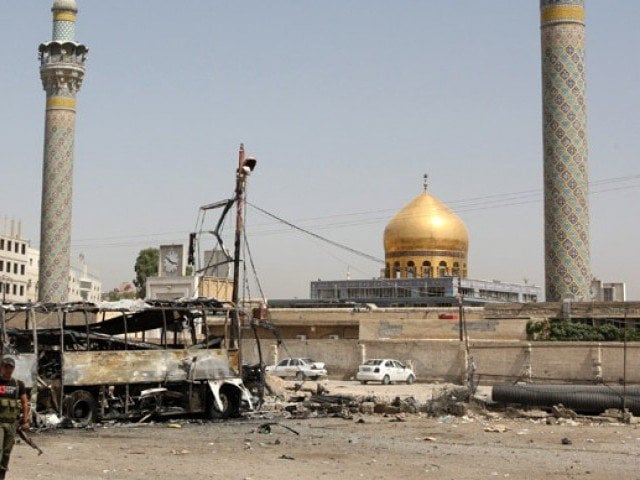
[[470, 204], [517, 198], [319, 237]]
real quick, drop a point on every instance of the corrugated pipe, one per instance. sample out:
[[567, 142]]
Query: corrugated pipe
[[589, 399]]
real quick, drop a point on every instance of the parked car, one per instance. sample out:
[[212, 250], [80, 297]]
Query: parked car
[[385, 370], [298, 368]]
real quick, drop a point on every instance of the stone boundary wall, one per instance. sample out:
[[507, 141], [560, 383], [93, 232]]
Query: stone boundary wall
[[410, 325], [445, 360]]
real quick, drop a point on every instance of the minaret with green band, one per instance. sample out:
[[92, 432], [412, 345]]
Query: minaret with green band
[[566, 183], [61, 70]]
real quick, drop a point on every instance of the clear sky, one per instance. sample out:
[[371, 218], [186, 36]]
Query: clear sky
[[345, 104]]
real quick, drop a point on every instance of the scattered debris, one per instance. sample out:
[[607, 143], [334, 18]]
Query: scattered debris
[[560, 411], [275, 386], [399, 418], [445, 400], [566, 441], [459, 409], [266, 428], [367, 408], [496, 428], [447, 419]]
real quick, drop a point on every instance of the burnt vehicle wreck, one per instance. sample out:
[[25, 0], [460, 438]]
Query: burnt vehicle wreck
[[84, 363]]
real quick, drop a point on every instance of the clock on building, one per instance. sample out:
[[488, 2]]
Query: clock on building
[[171, 260]]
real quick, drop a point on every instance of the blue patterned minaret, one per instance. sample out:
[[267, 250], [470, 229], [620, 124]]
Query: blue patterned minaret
[[566, 202], [61, 70]]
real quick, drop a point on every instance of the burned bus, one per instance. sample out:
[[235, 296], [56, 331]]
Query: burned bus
[[130, 360]]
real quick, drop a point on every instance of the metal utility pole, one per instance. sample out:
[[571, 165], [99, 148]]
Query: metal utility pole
[[245, 167], [235, 331], [459, 310], [3, 332], [624, 368]]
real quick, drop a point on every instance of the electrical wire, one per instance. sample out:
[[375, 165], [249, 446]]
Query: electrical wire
[[471, 204], [324, 239]]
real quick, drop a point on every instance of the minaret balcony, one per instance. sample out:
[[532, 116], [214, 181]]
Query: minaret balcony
[[62, 54]]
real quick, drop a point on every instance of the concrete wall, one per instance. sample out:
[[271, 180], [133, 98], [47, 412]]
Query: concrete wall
[[341, 357], [431, 360], [558, 361], [412, 327], [445, 360], [500, 321]]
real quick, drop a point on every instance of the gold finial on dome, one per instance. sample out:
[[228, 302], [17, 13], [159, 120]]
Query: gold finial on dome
[[426, 239], [425, 181]]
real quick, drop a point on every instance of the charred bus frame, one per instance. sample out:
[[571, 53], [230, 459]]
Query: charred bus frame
[[85, 362]]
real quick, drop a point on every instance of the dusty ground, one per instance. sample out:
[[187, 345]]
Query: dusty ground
[[381, 447]]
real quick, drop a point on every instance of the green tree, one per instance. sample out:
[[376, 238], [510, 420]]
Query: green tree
[[146, 266], [115, 295], [563, 330]]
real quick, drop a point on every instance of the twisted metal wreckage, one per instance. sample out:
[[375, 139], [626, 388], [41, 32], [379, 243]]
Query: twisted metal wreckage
[[84, 362], [130, 360]]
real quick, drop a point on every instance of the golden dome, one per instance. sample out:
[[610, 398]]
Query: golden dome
[[425, 225]]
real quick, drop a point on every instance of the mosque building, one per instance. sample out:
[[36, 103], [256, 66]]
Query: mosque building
[[426, 244], [426, 239], [426, 264]]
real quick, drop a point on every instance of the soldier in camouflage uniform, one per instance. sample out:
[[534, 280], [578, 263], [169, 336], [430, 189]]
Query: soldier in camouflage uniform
[[13, 401]]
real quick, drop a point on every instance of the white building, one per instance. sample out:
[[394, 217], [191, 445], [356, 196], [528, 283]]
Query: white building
[[19, 268], [14, 260], [33, 269], [608, 291], [84, 285]]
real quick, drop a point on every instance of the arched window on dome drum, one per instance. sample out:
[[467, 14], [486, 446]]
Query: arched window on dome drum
[[464, 270], [455, 270], [387, 270], [442, 269], [396, 270], [427, 269], [411, 270]]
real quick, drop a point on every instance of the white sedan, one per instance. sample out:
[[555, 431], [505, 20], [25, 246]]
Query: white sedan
[[298, 368], [385, 371]]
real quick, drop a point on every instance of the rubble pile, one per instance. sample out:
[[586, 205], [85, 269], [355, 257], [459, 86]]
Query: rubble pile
[[449, 400], [307, 399]]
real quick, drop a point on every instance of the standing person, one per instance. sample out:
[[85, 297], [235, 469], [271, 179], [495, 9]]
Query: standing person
[[13, 399], [473, 366]]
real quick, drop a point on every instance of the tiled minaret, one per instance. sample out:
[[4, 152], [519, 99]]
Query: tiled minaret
[[61, 70], [566, 205]]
